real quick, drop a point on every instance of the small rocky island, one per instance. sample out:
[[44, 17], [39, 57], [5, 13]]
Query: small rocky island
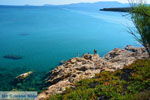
[[85, 67]]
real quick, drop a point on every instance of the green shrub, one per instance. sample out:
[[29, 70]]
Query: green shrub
[[141, 19], [125, 84]]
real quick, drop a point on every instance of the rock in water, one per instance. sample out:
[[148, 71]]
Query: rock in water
[[23, 76], [13, 57]]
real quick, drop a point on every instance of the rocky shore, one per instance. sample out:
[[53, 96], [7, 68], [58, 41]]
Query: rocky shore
[[87, 66]]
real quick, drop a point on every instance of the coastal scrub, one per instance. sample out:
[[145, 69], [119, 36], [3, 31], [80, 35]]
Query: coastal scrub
[[130, 83], [141, 20]]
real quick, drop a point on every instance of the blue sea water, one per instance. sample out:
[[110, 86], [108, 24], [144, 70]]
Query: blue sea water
[[44, 36]]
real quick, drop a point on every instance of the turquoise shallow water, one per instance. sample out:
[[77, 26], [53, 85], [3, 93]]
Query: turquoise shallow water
[[44, 36]]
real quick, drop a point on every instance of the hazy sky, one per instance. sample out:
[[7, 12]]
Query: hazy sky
[[41, 2]]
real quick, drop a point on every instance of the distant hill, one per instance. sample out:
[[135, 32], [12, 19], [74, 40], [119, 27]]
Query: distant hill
[[100, 4], [86, 6], [93, 6]]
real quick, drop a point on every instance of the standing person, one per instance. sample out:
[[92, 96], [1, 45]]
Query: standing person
[[95, 51]]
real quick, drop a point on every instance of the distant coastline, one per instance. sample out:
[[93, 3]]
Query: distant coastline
[[126, 9]]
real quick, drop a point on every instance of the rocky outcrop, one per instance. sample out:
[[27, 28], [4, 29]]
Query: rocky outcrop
[[123, 57], [87, 66]]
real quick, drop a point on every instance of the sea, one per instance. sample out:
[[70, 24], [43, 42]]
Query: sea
[[45, 36]]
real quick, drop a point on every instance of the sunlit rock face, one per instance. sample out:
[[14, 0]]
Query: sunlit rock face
[[126, 56]]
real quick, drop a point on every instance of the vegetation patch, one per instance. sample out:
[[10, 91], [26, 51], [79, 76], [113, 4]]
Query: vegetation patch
[[130, 83]]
